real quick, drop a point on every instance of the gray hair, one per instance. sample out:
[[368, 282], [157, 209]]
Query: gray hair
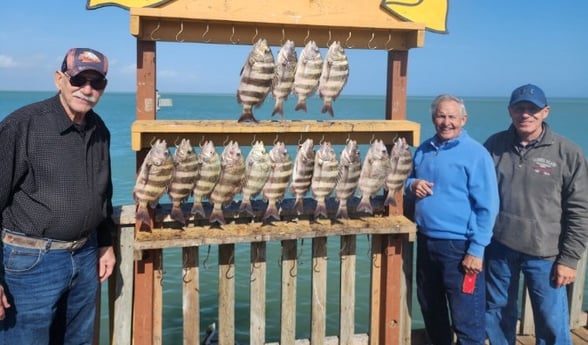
[[447, 97]]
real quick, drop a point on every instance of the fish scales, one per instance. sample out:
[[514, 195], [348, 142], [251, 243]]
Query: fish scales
[[257, 75], [153, 179], [284, 76], [209, 168], [229, 181], [333, 76], [302, 173], [373, 174], [257, 170], [349, 171], [182, 182], [308, 73], [324, 177], [400, 168], [278, 181]]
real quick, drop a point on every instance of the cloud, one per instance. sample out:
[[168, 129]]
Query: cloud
[[7, 62]]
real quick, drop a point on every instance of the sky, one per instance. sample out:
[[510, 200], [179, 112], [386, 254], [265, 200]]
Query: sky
[[491, 48]]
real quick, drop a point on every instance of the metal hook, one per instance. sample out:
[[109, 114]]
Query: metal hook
[[373, 138], [329, 40], [307, 36], [206, 32], [253, 140], [226, 141], [370, 42], [204, 263], [276, 139], [233, 35], [154, 31], [201, 142], [231, 258], [254, 36], [388, 41], [300, 140], [299, 255], [179, 32], [322, 140], [347, 41], [152, 141], [283, 36]]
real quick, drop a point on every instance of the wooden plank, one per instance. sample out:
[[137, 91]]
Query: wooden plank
[[123, 302], [144, 131], [143, 291], [576, 295], [289, 277], [146, 107], [347, 302], [190, 296], [376, 290], [391, 280], [406, 292], [258, 293], [318, 316], [226, 291], [396, 87], [158, 297]]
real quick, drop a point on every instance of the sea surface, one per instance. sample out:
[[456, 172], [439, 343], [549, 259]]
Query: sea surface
[[486, 115]]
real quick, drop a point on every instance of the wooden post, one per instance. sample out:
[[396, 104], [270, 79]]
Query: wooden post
[[391, 308], [396, 85]]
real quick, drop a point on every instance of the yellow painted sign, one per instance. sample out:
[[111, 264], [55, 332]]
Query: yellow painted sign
[[432, 13], [93, 4]]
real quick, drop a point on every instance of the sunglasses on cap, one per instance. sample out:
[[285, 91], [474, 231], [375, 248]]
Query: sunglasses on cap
[[80, 81]]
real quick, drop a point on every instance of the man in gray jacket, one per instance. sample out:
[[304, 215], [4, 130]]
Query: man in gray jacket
[[542, 226]]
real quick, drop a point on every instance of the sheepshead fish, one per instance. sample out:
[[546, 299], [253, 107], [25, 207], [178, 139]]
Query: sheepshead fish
[[256, 79], [257, 170], [349, 170], [400, 168], [324, 177], [184, 175], [333, 77], [302, 173], [277, 183], [308, 73], [229, 181], [209, 168], [284, 76], [373, 174], [153, 179]]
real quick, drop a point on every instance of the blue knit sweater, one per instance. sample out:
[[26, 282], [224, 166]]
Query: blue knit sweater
[[464, 203]]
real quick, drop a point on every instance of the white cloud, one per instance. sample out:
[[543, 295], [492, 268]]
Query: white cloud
[[7, 62]]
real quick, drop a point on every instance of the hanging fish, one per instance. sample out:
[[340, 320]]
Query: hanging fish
[[229, 181], [302, 173], [284, 76], [373, 174], [278, 181], [257, 170], [400, 168], [256, 79], [183, 178], [324, 177], [308, 73], [209, 168], [333, 77], [153, 179], [349, 170]]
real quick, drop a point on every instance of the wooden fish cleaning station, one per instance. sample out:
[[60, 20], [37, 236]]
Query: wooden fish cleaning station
[[358, 25]]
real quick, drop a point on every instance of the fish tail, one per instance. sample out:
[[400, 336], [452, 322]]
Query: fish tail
[[299, 205], [217, 216], [321, 209], [365, 205], [271, 212], [177, 215], [301, 105], [197, 209], [142, 215], [328, 107], [246, 207], [342, 210], [390, 200], [278, 108], [247, 116]]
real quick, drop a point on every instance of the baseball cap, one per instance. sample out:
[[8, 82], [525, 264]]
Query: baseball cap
[[530, 93], [81, 59]]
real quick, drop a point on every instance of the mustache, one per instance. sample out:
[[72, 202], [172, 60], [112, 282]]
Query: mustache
[[79, 94]]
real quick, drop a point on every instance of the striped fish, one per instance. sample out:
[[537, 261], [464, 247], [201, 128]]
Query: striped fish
[[333, 77], [349, 170], [153, 179], [256, 79], [308, 73], [229, 182], [277, 183], [257, 170], [209, 168], [324, 177], [400, 168], [302, 173], [284, 76], [373, 174], [184, 175]]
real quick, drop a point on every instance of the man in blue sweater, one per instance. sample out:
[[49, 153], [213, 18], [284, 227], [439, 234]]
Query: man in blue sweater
[[456, 202]]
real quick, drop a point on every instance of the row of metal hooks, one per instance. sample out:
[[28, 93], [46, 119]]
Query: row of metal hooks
[[233, 40]]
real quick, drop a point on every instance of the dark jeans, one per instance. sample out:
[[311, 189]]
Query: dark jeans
[[444, 306]]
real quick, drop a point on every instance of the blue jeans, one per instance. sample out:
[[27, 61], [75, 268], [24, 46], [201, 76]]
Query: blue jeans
[[439, 282], [52, 295], [550, 304]]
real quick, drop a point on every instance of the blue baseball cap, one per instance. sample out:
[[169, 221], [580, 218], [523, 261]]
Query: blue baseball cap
[[530, 93]]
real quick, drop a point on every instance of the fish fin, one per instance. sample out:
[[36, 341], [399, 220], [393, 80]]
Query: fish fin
[[321, 210], [328, 107], [247, 116], [177, 215], [301, 105], [142, 215], [197, 209], [217, 216], [299, 205], [246, 207], [365, 205], [271, 212], [342, 211]]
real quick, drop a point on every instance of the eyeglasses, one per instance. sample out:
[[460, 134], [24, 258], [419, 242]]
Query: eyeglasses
[[80, 81], [526, 109]]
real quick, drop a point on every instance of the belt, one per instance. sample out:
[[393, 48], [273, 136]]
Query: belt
[[41, 243]]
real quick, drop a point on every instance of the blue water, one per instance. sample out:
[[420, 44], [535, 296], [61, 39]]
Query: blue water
[[486, 116]]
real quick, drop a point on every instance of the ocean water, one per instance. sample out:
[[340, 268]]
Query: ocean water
[[486, 116]]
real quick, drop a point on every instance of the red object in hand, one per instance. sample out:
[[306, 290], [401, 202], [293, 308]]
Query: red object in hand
[[469, 283]]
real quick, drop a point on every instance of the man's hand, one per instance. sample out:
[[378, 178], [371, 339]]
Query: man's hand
[[563, 275], [422, 188], [472, 264], [106, 263], [3, 303]]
